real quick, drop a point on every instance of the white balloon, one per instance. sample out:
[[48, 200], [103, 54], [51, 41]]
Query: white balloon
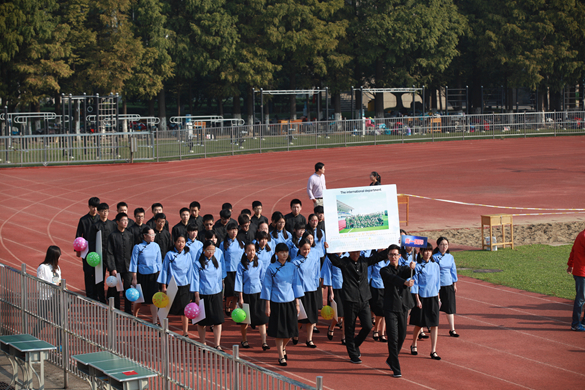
[[111, 281]]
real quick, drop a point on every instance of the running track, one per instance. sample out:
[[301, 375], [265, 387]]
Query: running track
[[510, 338]]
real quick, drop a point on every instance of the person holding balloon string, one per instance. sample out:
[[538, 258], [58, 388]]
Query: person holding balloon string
[[119, 255], [308, 263], [145, 266], [248, 286], [208, 273], [281, 290], [333, 283], [178, 263]]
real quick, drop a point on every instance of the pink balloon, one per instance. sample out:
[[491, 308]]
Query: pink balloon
[[191, 310], [80, 244]]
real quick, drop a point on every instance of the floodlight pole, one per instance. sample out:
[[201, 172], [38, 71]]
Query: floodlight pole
[[261, 106]]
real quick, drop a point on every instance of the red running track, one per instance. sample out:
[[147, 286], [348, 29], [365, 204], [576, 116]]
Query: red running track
[[510, 338]]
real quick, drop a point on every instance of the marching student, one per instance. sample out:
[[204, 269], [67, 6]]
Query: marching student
[[83, 227], [221, 225], [192, 242], [178, 263], [264, 251], [207, 226], [279, 233], [281, 289], [122, 207], [232, 249], [180, 229], [138, 226], [427, 282], [145, 266], [448, 289], [297, 236], [157, 208], [377, 300], [294, 217], [257, 218], [194, 217], [120, 246], [248, 286], [207, 275], [245, 233], [163, 237], [333, 283], [106, 226]]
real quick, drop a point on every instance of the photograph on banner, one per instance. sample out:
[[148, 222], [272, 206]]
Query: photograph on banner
[[361, 218]]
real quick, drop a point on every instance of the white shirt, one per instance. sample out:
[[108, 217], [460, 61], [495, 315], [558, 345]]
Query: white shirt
[[316, 186], [45, 272]]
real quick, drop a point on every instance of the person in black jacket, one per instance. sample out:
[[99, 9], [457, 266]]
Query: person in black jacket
[[104, 225], [83, 227], [397, 302], [357, 297], [120, 245]]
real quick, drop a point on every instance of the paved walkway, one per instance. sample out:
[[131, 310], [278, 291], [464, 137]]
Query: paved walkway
[[53, 377]]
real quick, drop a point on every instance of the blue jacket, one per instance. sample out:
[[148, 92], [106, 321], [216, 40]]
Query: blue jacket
[[448, 268], [282, 283], [426, 280]]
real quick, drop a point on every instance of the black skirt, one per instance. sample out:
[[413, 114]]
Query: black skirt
[[311, 304], [338, 297], [213, 310], [229, 283], [377, 301], [182, 299], [428, 315], [257, 309], [149, 286], [283, 320], [447, 295]]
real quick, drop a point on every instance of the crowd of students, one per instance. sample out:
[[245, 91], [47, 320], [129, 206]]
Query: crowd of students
[[279, 268]]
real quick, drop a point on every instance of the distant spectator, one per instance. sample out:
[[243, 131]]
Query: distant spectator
[[576, 266]]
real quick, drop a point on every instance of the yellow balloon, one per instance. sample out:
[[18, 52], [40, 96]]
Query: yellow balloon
[[160, 300], [327, 312]]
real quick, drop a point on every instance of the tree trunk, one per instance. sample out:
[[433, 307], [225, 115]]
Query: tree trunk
[[124, 111], [220, 106], [151, 107], [250, 106], [237, 110], [336, 106], [178, 99], [293, 98], [379, 100], [162, 110]]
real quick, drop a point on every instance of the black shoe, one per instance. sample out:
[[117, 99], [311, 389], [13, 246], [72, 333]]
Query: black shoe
[[413, 350], [311, 344], [265, 346], [383, 339], [295, 340], [342, 341], [397, 375], [253, 326], [422, 335], [376, 336], [282, 362], [244, 344], [330, 334], [435, 356], [284, 353], [356, 360], [316, 330], [452, 333], [339, 324]]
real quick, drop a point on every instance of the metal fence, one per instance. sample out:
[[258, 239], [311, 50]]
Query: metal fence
[[189, 140], [77, 325]]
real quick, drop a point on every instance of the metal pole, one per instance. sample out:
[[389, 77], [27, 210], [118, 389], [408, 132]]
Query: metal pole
[[327, 105], [467, 100], [165, 352], [253, 108], [319, 383], [361, 102], [351, 104], [261, 106], [24, 295], [424, 100], [117, 112], [111, 336], [236, 372], [8, 133], [64, 329], [447, 100], [413, 104], [482, 100], [97, 126]]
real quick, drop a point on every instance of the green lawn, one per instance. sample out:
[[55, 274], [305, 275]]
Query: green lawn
[[536, 268]]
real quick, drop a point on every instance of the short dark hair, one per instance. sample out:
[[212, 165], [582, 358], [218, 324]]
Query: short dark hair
[[194, 204], [231, 225], [192, 228], [121, 204], [256, 203], [52, 256], [296, 201], [299, 226], [226, 206], [103, 206], [154, 205], [246, 211], [209, 234], [160, 216], [225, 214], [318, 210], [93, 201], [138, 211], [394, 246], [119, 216], [146, 229], [318, 166], [207, 217], [243, 219], [182, 210]]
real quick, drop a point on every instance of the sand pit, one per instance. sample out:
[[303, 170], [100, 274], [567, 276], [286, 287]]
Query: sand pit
[[556, 233]]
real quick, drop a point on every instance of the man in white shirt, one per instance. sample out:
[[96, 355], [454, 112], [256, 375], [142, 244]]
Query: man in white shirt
[[316, 185]]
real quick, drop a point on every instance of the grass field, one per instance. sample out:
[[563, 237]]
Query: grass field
[[536, 268], [368, 229]]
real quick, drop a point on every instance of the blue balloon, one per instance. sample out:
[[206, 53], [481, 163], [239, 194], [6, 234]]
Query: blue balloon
[[132, 294]]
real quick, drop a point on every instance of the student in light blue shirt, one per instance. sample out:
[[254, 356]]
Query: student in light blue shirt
[[296, 239], [426, 292], [318, 235], [279, 233], [264, 250], [448, 289], [232, 249], [192, 242], [178, 264], [249, 278], [281, 289], [207, 286], [210, 236], [333, 282], [145, 265]]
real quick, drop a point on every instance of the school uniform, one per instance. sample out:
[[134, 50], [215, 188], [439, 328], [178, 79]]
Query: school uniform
[[196, 221], [333, 277], [179, 266], [249, 284], [309, 268], [397, 302], [146, 262], [406, 258], [120, 245], [194, 246], [256, 221], [245, 236], [206, 281], [357, 297], [292, 220], [265, 255], [179, 229], [164, 241], [448, 277], [93, 290], [152, 223], [130, 223], [220, 230], [294, 249], [276, 237], [281, 286], [426, 285], [83, 226], [377, 287], [232, 252], [136, 231]]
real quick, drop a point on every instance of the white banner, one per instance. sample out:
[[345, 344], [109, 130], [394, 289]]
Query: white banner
[[361, 218], [99, 269]]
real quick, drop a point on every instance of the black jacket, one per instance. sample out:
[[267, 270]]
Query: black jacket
[[120, 245], [355, 275], [397, 297], [84, 224]]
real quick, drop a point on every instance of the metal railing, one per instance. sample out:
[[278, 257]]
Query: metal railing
[[188, 141], [77, 325]]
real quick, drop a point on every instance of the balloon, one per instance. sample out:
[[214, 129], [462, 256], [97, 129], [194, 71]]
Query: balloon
[[132, 294], [93, 259], [191, 310], [80, 244], [111, 281], [160, 300], [238, 315], [327, 312]]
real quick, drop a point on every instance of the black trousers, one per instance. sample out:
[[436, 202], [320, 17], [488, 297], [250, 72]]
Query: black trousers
[[93, 290], [396, 331], [353, 310], [112, 292]]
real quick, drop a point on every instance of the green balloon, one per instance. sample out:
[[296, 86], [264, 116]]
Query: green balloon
[[238, 315], [93, 259]]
